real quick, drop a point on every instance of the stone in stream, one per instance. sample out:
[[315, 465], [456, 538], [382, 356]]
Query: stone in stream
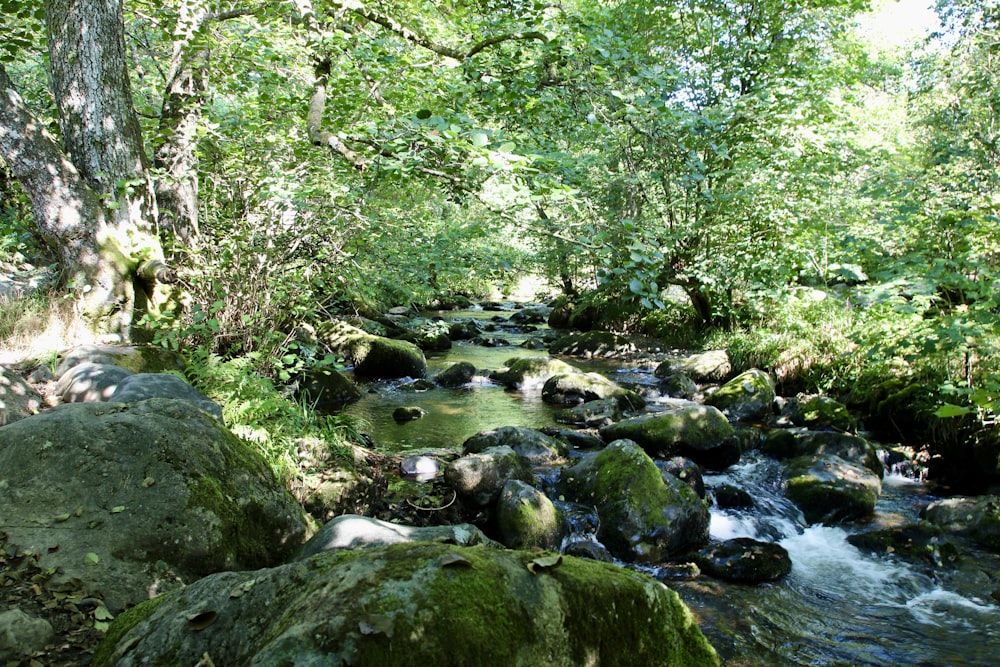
[[975, 518], [744, 560], [414, 605], [527, 518], [711, 366], [576, 388], [372, 356], [645, 515], [748, 396], [530, 371], [351, 531], [594, 345], [478, 478], [789, 443], [533, 446], [829, 489], [407, 413], [456, 375], [697, 431], [822, 412]]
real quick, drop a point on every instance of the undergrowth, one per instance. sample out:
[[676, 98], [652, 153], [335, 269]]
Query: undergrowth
[[258, 412]]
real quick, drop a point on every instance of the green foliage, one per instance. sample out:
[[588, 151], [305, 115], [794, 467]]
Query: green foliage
[[255, 410]]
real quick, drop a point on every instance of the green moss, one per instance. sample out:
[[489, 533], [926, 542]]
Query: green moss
[[125, 621]]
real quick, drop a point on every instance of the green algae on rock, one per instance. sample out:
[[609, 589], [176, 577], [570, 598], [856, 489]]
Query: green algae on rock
[[419, 605]]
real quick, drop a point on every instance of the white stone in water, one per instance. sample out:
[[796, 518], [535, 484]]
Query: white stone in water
[[420, 466]]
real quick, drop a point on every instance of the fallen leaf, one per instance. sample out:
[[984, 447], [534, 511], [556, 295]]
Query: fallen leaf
[[59, 518], [90, 558], [119, 508], [242, 588], [202, 620], [102, 613], [543, 563], [454, 560], [373, 624]]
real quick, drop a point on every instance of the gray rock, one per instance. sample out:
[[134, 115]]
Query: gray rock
[[479, 478], [529, 372], [527, 518], [975, 518], [576, 388], [150, 495], [144, 386], [88, 382], [646, 516], [136, 358], [18, 399], [592, 414], [351, 531], [744, 560], [533, 446], [22, 635], [408, 413], [416, 604]]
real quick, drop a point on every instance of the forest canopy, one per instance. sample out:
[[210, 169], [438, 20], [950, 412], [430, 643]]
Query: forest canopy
[[215, 173]]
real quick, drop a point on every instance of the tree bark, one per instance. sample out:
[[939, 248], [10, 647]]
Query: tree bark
[[94, 204]]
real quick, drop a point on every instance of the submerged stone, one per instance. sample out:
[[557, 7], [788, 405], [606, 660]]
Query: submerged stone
[[744, 560]]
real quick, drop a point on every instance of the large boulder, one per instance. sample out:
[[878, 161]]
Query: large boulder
[[576, 388], [351, 531], [414, 605], [144, 386], [822, 412], [128, 499], [531, 445], [373, 356], [530, 371], [478, 478], [18, 399], [646, 516], [88, 382], [135, 358], [829, 489], [697, 431], [747, 396]]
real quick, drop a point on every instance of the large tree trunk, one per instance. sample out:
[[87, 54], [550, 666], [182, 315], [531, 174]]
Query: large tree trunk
[[94, 204]]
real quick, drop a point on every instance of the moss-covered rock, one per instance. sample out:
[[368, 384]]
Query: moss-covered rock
[[829, 489], [417, 605], [135, 358], [747, 396], [697, 431], [373, 356], [922, 543], [150, 495], [645, 515], [407, 413], [527, 518], [592, 414], [326, 387], [819, 412], [594, 345], [530, 371]]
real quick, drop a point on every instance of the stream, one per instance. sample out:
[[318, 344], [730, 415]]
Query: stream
[[839, 605]]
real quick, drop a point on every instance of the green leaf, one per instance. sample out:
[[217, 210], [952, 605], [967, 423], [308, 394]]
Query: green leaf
[[949, 410], [90, 558]]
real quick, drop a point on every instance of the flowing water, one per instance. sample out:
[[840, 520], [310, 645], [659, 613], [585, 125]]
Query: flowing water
[[839, 605]]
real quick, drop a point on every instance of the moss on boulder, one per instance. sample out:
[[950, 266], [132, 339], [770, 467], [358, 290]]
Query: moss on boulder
[[416, 605], [373, 356], [530, 371], [697, 431], [829, 489], [645, 515], [594, 345], [747, 396]]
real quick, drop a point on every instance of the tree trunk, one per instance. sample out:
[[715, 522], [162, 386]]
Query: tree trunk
[[94, 204]]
